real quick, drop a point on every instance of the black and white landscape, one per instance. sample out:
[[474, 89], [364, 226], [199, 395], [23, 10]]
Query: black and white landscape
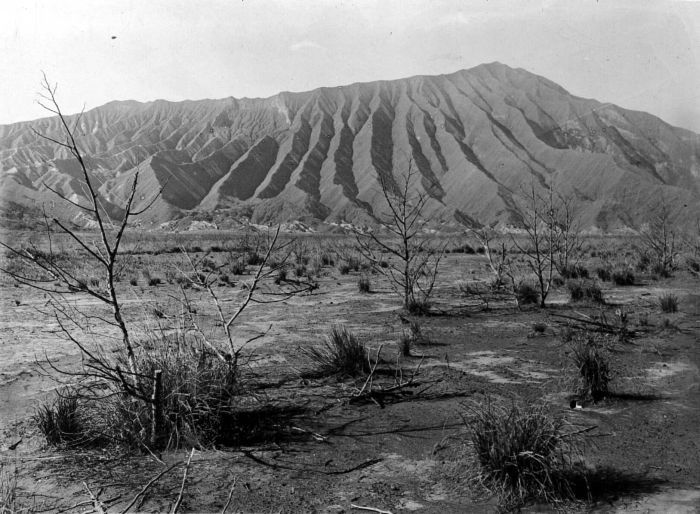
[[457, 269]]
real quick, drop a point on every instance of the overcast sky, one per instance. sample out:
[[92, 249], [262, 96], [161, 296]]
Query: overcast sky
[[638, 54]]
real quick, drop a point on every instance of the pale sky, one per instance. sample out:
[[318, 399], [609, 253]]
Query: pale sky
[[638, 54]]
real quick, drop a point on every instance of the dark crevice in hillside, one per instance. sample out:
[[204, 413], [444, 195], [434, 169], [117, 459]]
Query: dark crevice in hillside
[[629, 152], [514, 210], [343, 156], [430, 127], [431, 130], [310, 175], [382, 145], [430, 182], [452, 127], [500, 130], [251, 170], [300, 145]]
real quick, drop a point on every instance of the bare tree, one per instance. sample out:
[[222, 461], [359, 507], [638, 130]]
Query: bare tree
[[537, 214], [414, 256], [256, 290], [566, 225], [496, 253], [59, 279], [660, 238]]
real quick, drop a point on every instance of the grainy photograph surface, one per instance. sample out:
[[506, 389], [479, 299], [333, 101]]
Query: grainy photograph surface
[[352, 256]]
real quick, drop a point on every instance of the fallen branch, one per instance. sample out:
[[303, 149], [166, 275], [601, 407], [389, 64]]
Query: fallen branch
[[148, 486], [378, 511], [97, 505], [230, 496], [182, 486]]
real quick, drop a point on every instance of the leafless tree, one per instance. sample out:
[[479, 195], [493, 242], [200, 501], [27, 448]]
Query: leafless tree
[[660, 238], [414, 256], [496, 253], [566, 226], [541, 242], [47, 273], [256, 290]]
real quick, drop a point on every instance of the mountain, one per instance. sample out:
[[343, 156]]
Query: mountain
[[475, 138]]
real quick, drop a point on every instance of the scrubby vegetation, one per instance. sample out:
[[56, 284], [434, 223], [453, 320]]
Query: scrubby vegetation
[[668, 302], [342, 354], [523, 452], [591, 360], [584, 290]]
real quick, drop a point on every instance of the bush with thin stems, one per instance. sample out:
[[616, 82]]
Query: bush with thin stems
[[584, 290], [364, 285], [668, 302], [523, 452], [623, 277], [59, 420], [592, 362], [527, 294], [342, 354], [604, 274]]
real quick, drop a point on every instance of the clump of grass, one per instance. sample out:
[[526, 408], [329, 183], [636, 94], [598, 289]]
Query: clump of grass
[[539, 327], [364, 285], [418, 306], [281, 276], [574, 271], [405, 343], [581, 290], [527, 294], [133, 281], [623, 277], [237, 267], [344, 269], [523, 453], [300, 270], [58, 420], [342, 354], [604, 274], [668, 302], [591, 361], [254, 259]]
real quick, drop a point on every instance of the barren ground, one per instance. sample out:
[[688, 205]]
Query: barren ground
[[403, 454]]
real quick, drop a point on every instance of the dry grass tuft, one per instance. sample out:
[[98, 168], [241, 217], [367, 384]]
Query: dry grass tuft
[[523, 453], [342, 354]]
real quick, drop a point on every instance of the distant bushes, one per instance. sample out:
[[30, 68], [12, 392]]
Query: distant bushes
[[584, 290], [623, 277], [527, 294], [574, 272], [364, 285], [604, 274]]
